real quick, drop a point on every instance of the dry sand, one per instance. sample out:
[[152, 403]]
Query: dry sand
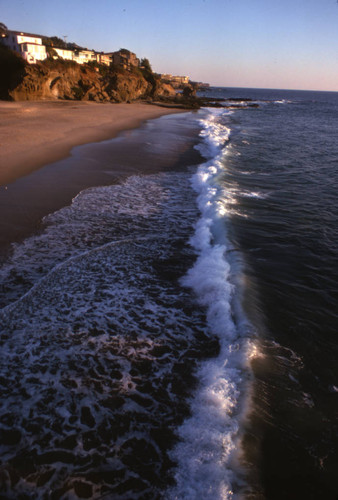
[[33, 134]]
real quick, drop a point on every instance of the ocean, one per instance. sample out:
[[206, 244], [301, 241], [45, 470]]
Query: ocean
[[173, 335]]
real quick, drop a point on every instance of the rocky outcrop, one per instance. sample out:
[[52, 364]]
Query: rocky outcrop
[[124, 86], [12, 71], [49, 80], [59, 79]]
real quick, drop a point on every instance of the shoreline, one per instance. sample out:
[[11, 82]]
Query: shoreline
[[138, 141], [36, 133]]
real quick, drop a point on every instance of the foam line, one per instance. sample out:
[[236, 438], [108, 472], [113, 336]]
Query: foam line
[[208, 437]]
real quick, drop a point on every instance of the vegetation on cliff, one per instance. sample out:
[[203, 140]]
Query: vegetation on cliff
[[55, 41]]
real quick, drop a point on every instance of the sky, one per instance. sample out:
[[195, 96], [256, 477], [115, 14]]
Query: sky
[[284, 44]]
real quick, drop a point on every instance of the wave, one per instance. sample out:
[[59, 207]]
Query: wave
[[209, 440]]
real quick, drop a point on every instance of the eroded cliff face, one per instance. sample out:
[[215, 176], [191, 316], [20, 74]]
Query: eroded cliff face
[[52, 79]]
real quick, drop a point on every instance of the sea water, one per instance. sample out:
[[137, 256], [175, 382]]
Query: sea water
[[174, 335]]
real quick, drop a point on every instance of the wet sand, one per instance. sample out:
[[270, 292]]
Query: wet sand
[[151, 148], [33, 134]]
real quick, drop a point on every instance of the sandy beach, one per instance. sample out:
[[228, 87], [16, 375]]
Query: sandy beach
[[33, 134], [50, 151]]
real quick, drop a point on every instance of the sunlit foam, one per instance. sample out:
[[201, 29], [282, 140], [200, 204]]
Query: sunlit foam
[[208, 439], [215, 135]]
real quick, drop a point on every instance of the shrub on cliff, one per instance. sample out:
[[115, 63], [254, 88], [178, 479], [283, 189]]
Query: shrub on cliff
[[146, 64], [3, 29], [153, 80], [116, 69], [12, 71], [54, 41], [51, 53], [59, 63]]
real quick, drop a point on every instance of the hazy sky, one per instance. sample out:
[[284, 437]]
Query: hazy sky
[[236, 43]]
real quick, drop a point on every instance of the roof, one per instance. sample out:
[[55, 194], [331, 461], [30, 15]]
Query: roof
[[22, 33], [125, 52], [32, 43], [60, 48]]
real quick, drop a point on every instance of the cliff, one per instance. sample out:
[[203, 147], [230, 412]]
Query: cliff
[[59, 79]]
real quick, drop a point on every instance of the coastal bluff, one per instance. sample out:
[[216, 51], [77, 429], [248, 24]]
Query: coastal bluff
[[67, 80]]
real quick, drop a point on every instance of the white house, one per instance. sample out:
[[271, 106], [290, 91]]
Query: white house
[[64, 53], [84, 56], [28, 45]]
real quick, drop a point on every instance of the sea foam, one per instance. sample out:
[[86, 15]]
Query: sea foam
[[208, 438]]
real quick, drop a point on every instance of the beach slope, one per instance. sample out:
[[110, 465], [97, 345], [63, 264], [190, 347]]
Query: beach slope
[[51, 151], [33, 134]]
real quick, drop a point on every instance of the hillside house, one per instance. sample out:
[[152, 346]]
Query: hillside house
[[32, 50], [64, 53], [106, 59], [125, 58], [175, 80], [28, 45], [181, 80], [79, 56], [84, 56]]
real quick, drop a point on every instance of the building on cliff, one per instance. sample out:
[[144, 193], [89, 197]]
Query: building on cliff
[[125, 58], [28, 45], [104, 58], [32, 49], [64, 53], [175, 81], [84, 56]]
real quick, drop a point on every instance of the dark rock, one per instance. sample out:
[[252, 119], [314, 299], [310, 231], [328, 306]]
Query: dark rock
[[82, 489], [90, 440], [10, 437], [146, 387], [69, 383], [132, 484], [44, 477], [145, 402], [7, 419], [116, 374], [160, 350], [87, 417], [113, 403], [51, 457], [9, 475], [24, 462], [59, 492], [163, 436], [189, 91], [69, 442], [144, 366], [138, 453], [238, 99], [109, 476]]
